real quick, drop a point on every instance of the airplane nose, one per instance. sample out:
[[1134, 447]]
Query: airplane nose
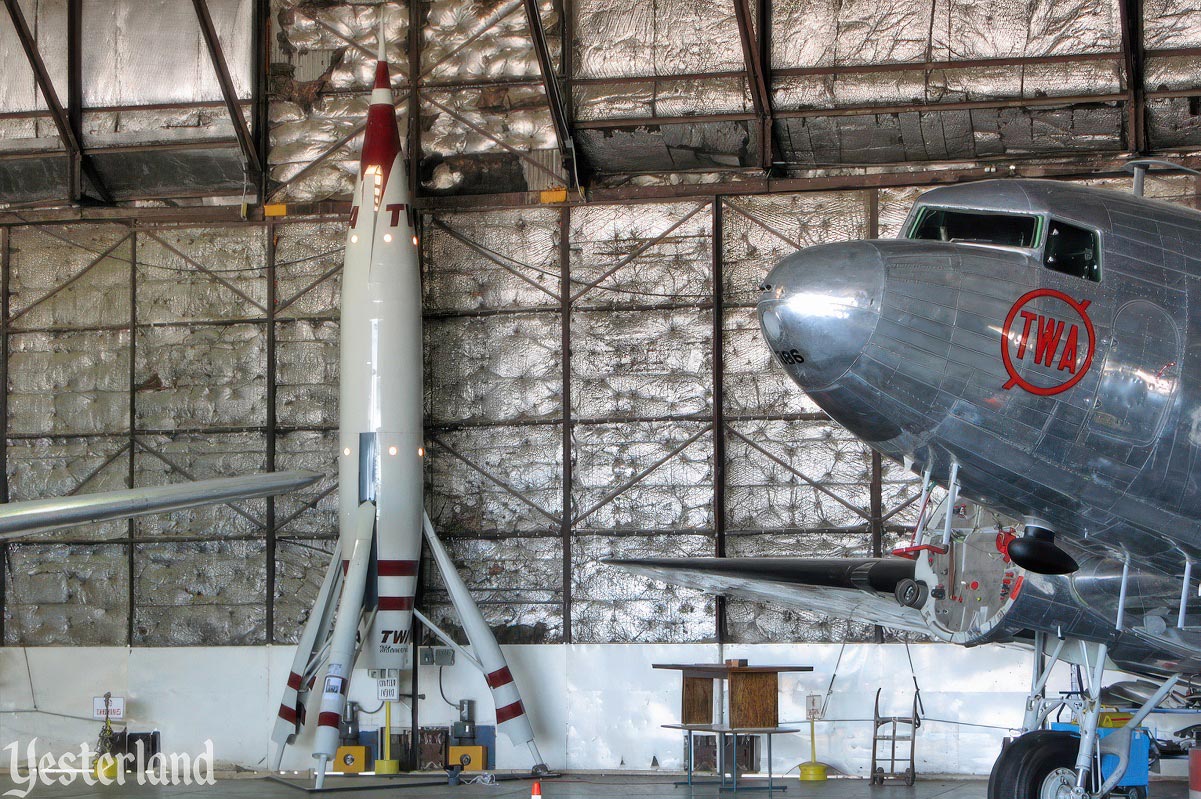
[[820, 307]]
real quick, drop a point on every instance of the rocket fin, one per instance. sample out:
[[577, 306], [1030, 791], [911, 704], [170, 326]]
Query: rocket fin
[[308, 658], [343, 646], [511, 718]]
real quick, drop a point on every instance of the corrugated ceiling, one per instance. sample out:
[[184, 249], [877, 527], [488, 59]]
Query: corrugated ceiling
[[650, 86]]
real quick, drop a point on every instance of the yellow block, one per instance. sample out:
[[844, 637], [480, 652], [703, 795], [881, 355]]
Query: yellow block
[[813, 772], [471, 758], [554, 196], [106, 767], [275, 209], [350, 759], [1109, 720]]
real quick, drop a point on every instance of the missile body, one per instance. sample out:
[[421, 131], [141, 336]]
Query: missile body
[[380, 411], [373, 574]]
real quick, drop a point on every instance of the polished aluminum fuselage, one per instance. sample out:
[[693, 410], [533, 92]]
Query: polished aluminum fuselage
[[927, 351]]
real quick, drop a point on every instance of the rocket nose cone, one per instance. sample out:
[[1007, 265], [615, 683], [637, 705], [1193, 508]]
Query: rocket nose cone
[[820, 309], [382, 81]]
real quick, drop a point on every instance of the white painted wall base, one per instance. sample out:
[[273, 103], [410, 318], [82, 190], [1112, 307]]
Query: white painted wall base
[[593, 706]]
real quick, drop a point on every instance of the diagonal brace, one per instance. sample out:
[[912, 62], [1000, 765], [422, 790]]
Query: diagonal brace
[[508, 489], [493, 257], [188, 475], [75, 277], [628, 484], [554, 95], [217, 56], [208, 272], [57, 112], [812, 484], [639, 251], [758, 75]]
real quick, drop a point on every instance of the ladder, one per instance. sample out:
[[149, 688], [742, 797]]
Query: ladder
[[887, 733]]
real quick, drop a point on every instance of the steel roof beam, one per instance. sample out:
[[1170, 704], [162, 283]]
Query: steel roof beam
[[564, 129], [75, 103], [757, 75], [845, 111], [260, 89], [1134, 58], [77, 159], [217, 56]]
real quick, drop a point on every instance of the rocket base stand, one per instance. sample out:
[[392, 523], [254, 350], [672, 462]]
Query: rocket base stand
[[355, 782]]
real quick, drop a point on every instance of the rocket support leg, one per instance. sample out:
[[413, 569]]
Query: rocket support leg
[[290, 719], [342, 646], [511, 718]]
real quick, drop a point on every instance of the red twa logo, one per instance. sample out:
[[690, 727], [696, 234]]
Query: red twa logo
[[1050, 338]]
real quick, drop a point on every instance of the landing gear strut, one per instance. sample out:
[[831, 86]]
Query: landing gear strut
[[1057, 764]]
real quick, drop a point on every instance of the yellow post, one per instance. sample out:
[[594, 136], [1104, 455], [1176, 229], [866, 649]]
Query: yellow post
[[812, 741], [813, 771], [387, 765]]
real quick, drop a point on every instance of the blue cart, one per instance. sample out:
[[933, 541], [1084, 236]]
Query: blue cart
[[1138, 771]]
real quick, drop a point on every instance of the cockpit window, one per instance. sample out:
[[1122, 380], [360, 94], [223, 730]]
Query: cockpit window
[[1073, 251], [1007, 230]]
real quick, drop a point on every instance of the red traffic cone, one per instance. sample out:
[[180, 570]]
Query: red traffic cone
[[536, 791]]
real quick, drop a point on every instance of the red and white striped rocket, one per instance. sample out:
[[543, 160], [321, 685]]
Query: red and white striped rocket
[[381, 517]]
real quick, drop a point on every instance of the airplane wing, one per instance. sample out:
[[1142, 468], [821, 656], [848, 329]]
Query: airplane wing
[[860, 589], [42, 515]]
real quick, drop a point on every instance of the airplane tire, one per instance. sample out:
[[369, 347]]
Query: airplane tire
[[1039, 765], [911, 593]]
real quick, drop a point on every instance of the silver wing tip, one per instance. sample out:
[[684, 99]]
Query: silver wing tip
[[303, 477]]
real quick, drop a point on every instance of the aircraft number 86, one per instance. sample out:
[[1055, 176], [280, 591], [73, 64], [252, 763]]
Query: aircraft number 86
[[790, 356]]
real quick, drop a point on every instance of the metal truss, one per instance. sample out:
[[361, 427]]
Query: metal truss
[[212, 42], [566, 517], [67, 123]]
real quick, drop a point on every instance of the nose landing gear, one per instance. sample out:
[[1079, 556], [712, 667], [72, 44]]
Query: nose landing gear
[[1036, 766], [1078, 763]]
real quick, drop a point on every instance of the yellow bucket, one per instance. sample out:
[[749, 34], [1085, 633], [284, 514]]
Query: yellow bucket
[[387, 767]]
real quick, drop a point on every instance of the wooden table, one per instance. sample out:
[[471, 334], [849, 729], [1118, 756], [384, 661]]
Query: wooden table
[[754, 707], [722, 730]]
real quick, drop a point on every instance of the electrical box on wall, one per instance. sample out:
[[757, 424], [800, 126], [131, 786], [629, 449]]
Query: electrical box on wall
[[437, 656]]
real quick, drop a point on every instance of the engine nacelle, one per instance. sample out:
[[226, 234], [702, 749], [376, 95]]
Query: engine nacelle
[[976, 594]]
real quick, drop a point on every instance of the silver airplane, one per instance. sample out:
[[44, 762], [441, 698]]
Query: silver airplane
[[1028, 346]]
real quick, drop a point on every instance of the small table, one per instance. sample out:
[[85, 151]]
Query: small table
[[753, 706], [722, 730]]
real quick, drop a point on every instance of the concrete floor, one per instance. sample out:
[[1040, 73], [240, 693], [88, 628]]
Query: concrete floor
[[566, 787]]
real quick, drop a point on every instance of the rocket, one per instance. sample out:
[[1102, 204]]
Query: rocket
[[364, 610]]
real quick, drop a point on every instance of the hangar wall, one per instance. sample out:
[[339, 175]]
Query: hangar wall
[[233, 369], [596, 707], [234, 353]]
